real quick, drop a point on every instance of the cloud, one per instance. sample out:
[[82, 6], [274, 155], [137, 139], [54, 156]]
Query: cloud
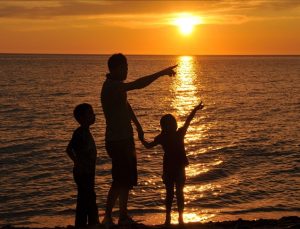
[[48, 9], [136, 14]]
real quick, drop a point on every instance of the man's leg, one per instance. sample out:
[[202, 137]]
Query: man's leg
[[112, 196], [123, 200], [127, 179], [112, 149]]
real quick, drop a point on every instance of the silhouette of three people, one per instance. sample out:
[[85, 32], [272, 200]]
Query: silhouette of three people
[[120, 146]]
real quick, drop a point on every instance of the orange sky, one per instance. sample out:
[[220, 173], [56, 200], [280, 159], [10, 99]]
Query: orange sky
[[145, 27]]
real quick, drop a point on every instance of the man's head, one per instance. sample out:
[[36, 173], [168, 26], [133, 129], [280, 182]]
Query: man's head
[[84, 114], [118, 68], [168, 123]]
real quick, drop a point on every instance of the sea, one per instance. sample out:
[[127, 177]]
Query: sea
[[243, 147]]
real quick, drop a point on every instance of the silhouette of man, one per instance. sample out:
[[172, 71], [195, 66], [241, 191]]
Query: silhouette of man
[[119, 141]]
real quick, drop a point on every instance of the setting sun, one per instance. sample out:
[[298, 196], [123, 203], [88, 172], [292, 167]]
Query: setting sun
[[186, 23]]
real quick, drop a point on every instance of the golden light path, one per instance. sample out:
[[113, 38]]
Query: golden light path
[[184, 86], [186, 96]]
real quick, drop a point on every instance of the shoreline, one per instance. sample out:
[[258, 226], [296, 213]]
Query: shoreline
[[290, 222]]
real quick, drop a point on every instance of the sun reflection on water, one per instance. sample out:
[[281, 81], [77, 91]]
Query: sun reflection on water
[[184, 85], [205, 216], [196, 169]]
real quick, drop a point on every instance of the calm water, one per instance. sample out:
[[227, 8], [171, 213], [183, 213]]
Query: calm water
[[243, 147]]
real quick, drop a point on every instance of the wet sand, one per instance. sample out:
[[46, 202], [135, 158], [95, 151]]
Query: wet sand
[[291, 222]]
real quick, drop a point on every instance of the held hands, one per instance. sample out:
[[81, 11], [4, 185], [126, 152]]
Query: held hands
[[168, 71]]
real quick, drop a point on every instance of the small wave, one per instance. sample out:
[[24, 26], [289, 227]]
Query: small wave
[[24, 213], [285, 171], [211, 175], [59, 94], [18, 148], [263, 209], [247, 151], [148, 210], [12, 110], [68, 211], [40, 176], [255, 140], [202, 204]]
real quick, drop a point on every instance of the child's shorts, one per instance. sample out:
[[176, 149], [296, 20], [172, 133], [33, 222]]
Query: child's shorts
[[177, 177], [124, 163]]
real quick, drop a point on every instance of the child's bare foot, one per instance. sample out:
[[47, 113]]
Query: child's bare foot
[[180, 219], [168, 220]]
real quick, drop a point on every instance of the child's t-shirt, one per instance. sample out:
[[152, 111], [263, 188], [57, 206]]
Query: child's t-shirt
[[174, 152], [85, 151]]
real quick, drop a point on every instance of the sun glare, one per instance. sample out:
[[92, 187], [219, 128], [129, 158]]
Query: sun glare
[[186, 23]]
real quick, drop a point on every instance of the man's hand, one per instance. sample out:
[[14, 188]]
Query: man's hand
[[140, 133], [168, 71], [199, 106]]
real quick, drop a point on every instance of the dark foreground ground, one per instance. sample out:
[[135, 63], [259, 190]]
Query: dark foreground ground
[[291, 222]]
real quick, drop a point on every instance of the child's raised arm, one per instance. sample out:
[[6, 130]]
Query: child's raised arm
[[191, 116]]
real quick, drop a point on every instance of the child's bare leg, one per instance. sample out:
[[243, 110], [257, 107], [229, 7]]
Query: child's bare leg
[[112, 196], [168, 202], [180, 201]]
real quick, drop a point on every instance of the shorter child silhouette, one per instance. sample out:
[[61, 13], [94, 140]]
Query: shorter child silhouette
[[83, 153], [174, 159]]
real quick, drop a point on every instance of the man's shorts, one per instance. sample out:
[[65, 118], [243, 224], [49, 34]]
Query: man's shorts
[[124, 163]]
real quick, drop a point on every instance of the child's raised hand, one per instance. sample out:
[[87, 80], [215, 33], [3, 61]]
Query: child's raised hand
[[199, 106]]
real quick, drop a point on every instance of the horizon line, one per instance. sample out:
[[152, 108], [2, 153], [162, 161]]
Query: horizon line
[[132, 54]]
